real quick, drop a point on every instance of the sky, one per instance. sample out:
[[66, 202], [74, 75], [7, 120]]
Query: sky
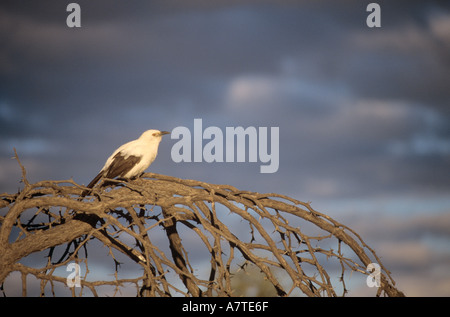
[[363, 113]]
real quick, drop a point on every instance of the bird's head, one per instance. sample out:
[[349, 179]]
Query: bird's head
[[153, 135]]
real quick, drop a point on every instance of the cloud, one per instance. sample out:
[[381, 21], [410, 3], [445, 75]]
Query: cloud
[[283, 92], [411, 58], [439, 23], [413, 247]]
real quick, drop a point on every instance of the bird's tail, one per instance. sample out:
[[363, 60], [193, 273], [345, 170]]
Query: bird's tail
[[91, 184]]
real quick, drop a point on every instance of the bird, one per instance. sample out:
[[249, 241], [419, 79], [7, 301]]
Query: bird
[[130, 159]]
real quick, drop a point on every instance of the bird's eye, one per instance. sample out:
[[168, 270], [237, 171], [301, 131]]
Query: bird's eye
[[154, 134]]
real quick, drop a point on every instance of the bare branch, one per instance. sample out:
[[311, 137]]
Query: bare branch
[[171, 229]]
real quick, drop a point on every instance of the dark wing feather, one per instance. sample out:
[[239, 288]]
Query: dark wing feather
[[118, 168], [95, 180], [121, 165], [92, 183]]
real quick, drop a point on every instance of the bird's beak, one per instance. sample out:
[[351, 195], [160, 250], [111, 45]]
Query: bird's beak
[[163, 132]]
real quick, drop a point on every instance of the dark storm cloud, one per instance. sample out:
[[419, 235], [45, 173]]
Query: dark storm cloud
[[352, 103]]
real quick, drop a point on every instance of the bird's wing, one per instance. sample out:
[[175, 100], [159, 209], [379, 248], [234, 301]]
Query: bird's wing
[[118, 164], [121, 165]]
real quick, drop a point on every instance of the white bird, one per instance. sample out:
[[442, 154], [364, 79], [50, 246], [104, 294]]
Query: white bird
[[132, 158]]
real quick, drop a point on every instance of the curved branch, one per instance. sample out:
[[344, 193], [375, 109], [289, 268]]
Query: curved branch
[[287, 240]]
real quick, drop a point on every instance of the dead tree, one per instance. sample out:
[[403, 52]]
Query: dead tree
[[181, 237]]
